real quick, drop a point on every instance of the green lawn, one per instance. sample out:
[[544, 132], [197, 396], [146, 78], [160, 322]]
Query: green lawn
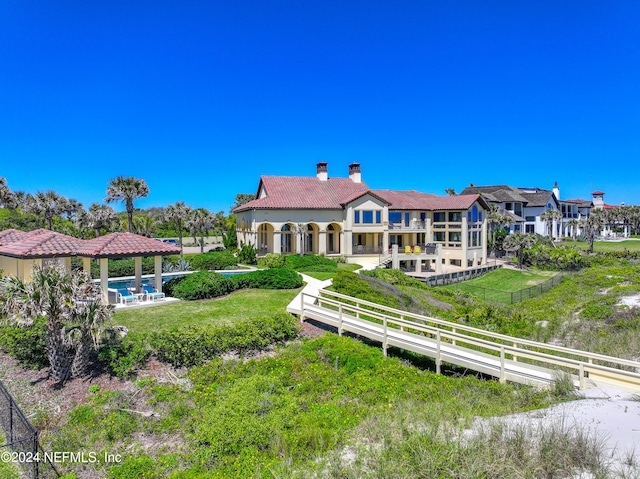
[[605, 246], [497, 285], [322, 275], [225, 310]]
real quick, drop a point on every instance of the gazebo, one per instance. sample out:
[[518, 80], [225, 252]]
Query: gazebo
[[20, 251], [125, 245]]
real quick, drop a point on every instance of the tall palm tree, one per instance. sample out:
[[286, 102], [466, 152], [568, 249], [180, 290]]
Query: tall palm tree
[[49, 204], [593, 225], [518, 242], [144, 225], [200, 222], [574, 227], [177, 214], [127, 189], [99, 217], [73, 208], [550, 216]]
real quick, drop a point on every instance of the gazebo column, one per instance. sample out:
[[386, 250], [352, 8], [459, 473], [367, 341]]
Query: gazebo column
[[137, 267], [104, 279], [67, 265], [86, 265], [157, 271]]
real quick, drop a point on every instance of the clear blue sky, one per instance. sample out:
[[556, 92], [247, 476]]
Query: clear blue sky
[[200, 98]]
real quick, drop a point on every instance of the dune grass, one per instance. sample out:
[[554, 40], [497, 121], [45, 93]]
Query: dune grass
[[229, 309]]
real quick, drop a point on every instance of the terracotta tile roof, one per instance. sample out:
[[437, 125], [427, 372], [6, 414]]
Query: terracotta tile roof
[[599, 193], [304, 192], [119, 245], [505, 194], [42, 244], [10, 236], [581, 203], [415, 200]]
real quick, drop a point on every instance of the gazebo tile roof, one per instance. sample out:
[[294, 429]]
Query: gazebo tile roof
[[41, 244], [10, 236], [124, 245]]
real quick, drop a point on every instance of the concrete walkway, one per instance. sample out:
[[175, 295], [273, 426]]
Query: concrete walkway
[[313, 287]]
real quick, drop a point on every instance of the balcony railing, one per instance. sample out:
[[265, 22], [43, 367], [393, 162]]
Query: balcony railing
[[412, 226], [363, 249]]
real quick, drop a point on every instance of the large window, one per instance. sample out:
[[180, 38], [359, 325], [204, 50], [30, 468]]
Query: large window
[[367, 217], [439, 217], [455, 236], [439, 236], [395, 216], [455, 217], [356, 217]]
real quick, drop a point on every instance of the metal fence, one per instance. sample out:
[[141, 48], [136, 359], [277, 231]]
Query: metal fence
[[22, 439], [457, 276], [511, 297]]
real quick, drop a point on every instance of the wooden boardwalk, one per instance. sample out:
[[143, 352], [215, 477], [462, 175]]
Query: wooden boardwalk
[[504, 357]]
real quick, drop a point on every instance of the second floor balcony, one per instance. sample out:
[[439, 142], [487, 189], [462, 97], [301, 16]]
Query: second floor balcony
[[413, 225]]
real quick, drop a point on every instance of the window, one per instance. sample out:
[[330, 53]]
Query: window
[[439, 217], [378, 216], [395, 217], [455, 236], [455, 217], [356, 217], [407, 218], [530, 218], [439, 236], [367, 217], [474, 213]]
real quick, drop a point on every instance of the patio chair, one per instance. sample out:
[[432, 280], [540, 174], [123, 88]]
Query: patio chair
[[417, 250], [407, 250], [151, 293], [125, 296]]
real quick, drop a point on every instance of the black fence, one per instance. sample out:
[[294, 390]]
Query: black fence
[[511, 297], [22, 440], [457, 276]]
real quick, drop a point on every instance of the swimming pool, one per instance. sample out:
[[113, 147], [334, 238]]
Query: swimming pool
[[121, 283]]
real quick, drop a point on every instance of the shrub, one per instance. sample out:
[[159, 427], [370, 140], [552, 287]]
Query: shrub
[[247, 254], [193, 345], [26, 343], [202, 285], [212, 260], [275, 278], [123, 356], [271, 260], [169, 286]]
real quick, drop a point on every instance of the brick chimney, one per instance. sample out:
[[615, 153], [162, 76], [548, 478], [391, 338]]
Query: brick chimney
[[322, 172], [354, 173]]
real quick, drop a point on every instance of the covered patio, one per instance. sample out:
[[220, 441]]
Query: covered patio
[[21, 251]]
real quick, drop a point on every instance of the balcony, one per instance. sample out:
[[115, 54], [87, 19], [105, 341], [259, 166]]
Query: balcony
[[415, 225]]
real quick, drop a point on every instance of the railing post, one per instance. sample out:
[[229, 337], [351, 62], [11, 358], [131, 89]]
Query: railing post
[[340, 319], [384, 342], [10, 420], [453, 340], [438, 360], [503, 375], [581, 373], [515, 358], [302, 307]]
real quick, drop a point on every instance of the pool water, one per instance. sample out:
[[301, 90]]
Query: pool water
[[120, 284]]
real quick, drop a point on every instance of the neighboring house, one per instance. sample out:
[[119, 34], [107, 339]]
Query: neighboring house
[[344, 217], [524, 205]]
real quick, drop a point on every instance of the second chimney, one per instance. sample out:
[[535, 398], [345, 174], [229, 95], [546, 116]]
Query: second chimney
[[354, 173]]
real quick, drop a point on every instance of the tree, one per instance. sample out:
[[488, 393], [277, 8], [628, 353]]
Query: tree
[[73, 310], [200, 222], [144, 225], [241, 199], [73, 209], [574, 227], [450, 191], [550, 216], [99, 217], [593, 225], [46, 203], [518, 242], [7, 197], [127, 189], [177, 214]]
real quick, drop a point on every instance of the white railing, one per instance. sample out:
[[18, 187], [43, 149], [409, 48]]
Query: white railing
[[466, 345]]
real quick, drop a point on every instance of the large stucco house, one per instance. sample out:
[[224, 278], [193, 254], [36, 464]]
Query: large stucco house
[[344, 217]]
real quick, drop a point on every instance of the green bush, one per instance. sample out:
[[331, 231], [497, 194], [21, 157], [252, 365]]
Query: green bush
[[212, 260], [555, 258], [123, 267], [193, 345], [275, 278], [310, 262], [26, 343], [202, 285], [169, 286], [247, 254], [123, 356], [271, 260]]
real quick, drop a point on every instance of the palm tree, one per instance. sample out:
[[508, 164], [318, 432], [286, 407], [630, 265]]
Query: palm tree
[[518, 242], [593, 225], [127, 189], [550, 216], [49, 204], [144, 225], [73, 209], [450, 191], [177, 214], [98, 217], [200, 222], [574, 226], [72, 306]]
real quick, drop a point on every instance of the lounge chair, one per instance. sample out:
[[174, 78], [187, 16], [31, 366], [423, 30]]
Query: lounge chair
[[125, 296], [151, 293], [407, 250], [416, 249]]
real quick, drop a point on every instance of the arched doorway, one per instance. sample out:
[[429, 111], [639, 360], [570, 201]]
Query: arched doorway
[[311, 239], [333, 239], [286, 239], [265, 239]]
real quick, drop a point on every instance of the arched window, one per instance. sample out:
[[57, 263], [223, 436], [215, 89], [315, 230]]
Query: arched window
[[286, 228]]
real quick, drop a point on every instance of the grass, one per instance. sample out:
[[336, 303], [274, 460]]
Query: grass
[[225, 310], [324, 275], [609, 246], [497, 285]]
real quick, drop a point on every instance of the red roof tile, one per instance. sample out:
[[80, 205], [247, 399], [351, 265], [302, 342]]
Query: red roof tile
[[41, 244], [119, 245], [415, 200], [10, 236], [304, 192]]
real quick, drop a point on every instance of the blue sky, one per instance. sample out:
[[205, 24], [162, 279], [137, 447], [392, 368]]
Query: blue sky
[[200, 98]]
